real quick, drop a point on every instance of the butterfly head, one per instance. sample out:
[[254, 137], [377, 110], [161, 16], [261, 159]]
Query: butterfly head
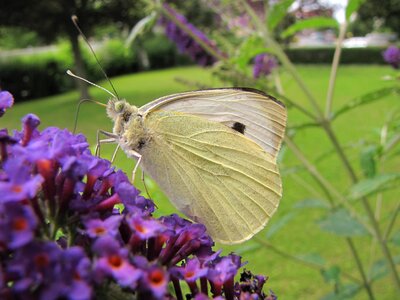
[[120, 108]]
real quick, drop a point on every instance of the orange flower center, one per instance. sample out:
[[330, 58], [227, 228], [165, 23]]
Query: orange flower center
[[41, 260], [20, 224], [115, 261], [17, 189], [156, 277]]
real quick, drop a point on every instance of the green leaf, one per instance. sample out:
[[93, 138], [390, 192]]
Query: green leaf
[[366, 99], [341, 223], [140, 27], [367, 161], [276, 226], [331, 275], [317, 22], [347, 291], [277, 12], [313, 258], [352, 6], [248, 49], [248, 248], [372, 185], [312, 203], [396, 238], [380, 269]]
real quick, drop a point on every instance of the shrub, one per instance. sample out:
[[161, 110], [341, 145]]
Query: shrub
[[370, 55]]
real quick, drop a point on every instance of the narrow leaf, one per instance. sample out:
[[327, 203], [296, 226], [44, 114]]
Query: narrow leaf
[[352, 6], [312, 203], [277, 12], [347, 291], [396, 238], [276, 226], [314, 23], [140, 27], [372, 185], [248, 49], [331, 275], [366, 99], [367, 161], [380, 269], [313, 258], [341, 223]]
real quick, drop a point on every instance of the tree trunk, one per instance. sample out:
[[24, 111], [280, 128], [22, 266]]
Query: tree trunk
[[79, 66]]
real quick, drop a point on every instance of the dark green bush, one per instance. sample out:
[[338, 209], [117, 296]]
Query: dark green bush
[[40, 75], [370, 55]]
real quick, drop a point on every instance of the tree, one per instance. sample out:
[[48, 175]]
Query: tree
[[377, 14], [52, 19]]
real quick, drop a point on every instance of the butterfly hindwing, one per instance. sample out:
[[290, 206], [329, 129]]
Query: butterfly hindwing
[[213, 174]]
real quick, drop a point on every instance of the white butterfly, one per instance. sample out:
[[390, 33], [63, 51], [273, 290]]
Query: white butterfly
[[213, 152]]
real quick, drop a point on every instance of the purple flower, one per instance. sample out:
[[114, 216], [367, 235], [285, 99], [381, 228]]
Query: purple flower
[[392, 56], [144, 228], [263, 65], [155, 280], [61, 237], [184, 41], [113, 261], [18, 223], [6, 101], [20, 184], [96, 227]]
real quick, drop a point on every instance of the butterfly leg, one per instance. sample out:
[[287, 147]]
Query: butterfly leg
[[112, 139], [115, 153], [145, 187], [137, 156]]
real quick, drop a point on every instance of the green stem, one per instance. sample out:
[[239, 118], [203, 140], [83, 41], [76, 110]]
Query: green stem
[[321, 181], [310, 264], [326, 184], [392, 222], [335, 66], [370, 214]]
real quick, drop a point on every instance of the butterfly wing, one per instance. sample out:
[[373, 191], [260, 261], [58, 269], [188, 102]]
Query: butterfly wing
[[213, 174], [260, 116]]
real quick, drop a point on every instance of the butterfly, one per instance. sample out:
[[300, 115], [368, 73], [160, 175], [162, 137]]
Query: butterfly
[[212, 152]]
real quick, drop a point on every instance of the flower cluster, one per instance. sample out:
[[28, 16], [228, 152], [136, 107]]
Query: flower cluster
[[63, 235], [392, 56], [184, 41], [263, 65]]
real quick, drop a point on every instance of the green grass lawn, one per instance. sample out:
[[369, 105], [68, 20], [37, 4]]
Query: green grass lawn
[[300, 236]]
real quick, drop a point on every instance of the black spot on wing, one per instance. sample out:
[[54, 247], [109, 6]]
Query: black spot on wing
[[239, 127]]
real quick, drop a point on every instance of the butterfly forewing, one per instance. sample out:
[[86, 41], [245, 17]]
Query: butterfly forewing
[[261, 117], [213, 174]]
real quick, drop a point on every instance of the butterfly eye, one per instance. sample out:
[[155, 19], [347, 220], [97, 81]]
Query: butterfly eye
[[119, 106]]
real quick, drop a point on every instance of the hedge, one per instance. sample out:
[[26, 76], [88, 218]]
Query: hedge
[[39, 75], [370, 55]]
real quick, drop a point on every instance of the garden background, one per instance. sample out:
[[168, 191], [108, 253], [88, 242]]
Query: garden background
[[336, 233]]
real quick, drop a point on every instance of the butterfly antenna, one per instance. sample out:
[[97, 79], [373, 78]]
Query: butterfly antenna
[[78, 108], [75, 21], [69, 72]]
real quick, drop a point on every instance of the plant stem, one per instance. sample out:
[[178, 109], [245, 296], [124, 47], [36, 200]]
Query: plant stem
[[335, 66], [310, 264], [391, 222], [367, 207], [326, 188], [366, 284], [324, 183], [278, 51]]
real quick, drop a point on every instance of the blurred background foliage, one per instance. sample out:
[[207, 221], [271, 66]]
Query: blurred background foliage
[[342, 151]]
